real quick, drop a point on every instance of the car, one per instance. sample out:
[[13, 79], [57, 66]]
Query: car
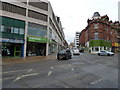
[[81, 50], [64, 54], [105, 53], [76, 52]]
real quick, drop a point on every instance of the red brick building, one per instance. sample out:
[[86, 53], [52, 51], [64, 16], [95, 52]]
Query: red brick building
[[100, 34]]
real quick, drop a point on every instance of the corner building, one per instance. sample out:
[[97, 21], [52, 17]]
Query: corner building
[[30, 28], [100, 34]]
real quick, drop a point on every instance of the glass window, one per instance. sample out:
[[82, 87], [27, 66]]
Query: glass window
[[16, 30], [12, 30], [8, 29], [96, 49], [21, 31], [95, 26], [2, 28], [96, 35], [37, 31]]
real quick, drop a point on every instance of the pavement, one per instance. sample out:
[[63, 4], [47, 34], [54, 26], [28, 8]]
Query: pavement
[[16, 60]]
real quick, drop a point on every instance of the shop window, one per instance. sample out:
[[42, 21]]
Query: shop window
[[21, 31], [92, 49], [96, 49], [104, 48], [16, 30]]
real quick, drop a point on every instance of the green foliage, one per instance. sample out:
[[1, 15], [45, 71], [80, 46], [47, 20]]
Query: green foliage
[[102, 43]]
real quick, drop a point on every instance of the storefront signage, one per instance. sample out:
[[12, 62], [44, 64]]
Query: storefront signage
[[11, 40], [115, 44], [37, 39]]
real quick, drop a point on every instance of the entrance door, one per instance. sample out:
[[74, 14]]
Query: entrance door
[[17, 51]]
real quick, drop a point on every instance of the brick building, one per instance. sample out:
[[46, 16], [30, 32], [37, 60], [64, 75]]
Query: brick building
[[100, 34]]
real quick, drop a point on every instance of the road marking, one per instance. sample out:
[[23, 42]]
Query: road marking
[[18, 78], [52, 67], [100, 80], [49, 73], [96, 81], [72, 69], [8, 78], [29, 70]]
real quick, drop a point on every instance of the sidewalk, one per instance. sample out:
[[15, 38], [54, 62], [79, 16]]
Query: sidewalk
[[15, 60]]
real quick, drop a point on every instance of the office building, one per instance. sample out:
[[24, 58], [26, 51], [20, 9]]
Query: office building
[[76, 41], [29, 28]]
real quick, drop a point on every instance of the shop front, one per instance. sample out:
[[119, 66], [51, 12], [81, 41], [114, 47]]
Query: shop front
[[36, 46], [96, 45], [12, 47], [115, 47]]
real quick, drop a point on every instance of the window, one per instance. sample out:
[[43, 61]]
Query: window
[[8, 29], [96, 49], [21, 31], [95, 26], [13, 8], [36, 15], [12, 30], [2, 28], [96, 35], [16, 30]]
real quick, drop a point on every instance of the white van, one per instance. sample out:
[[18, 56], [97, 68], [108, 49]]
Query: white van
[[76, 52]]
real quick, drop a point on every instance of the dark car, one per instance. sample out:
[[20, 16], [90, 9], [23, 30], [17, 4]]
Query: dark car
[[81, 50], [64, 54]]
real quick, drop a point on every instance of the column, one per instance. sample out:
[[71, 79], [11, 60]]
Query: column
[[26, 30]]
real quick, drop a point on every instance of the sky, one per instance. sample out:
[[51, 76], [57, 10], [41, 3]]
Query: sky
[[74, 13]]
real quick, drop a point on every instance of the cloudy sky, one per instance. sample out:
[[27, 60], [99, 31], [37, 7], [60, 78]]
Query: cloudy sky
[[74, 13]]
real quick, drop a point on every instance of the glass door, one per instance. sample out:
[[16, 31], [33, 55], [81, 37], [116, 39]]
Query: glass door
[[17, 51]]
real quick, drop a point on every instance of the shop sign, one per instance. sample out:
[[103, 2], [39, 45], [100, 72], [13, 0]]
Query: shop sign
[[11, 40], [4, 40], [115, 44], [37, 39], [16, 41]]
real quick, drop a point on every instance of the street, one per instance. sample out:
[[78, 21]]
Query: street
[[82, 71]]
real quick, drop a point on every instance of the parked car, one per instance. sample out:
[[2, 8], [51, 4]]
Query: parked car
[[64, 54], [76, 52], [105, 53], [81, 50]]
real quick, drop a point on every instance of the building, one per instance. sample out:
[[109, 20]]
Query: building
[[119, 21], [82, 38], [30, 28], [76, 41], [100, 34]]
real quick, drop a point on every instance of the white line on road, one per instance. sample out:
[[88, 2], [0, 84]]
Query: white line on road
[[96, 81], [49, 73], [8, 78], [18, 78], [29, 70], [52, 67]]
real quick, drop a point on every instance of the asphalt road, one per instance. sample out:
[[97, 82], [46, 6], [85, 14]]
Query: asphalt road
[[83, 71]]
